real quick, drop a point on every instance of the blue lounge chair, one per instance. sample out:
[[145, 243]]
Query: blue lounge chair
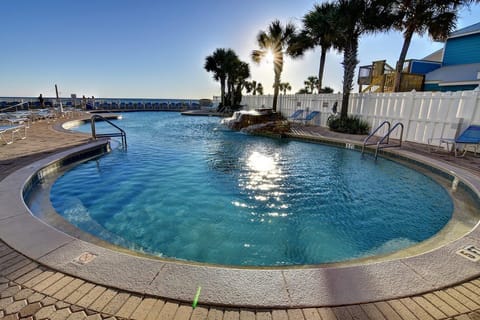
[[471, 136], [310, 116], [296, 115]]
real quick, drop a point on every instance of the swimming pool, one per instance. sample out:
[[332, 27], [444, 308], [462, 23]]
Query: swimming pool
[[188, 189]]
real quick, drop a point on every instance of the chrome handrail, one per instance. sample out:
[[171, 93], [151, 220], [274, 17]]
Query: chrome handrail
[[365, 142], [387, 136], [121, 132]]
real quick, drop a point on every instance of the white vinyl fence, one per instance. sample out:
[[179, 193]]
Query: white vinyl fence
[[424, 114], [288, 104]]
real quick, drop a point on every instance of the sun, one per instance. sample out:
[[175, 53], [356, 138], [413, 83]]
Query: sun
[[269, 57]]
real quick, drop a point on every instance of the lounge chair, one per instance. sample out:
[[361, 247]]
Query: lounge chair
[[296, 115], [48, 114], [469, 137], [16, 118], [7, 130], [310, 116]]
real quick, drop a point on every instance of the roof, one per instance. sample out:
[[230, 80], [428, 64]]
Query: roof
[[474, 28], [456, 74], [438, 55], [435, 56]]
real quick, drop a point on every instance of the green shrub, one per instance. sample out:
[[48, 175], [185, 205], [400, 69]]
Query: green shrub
[[352, 125]]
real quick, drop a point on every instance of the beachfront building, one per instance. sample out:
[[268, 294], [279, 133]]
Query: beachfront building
[[455, 67], [460, 62]]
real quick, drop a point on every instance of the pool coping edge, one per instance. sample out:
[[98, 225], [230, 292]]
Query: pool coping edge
[[246, 287]]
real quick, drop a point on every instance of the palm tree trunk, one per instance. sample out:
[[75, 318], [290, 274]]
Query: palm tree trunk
[[277, 69], [276, 90], [349, 63], [238, 89], [222, 91], [323, 56], [401, 59], [232, 94]]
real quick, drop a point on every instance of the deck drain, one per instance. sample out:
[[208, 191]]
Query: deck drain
[[472, 253], [85, 258]]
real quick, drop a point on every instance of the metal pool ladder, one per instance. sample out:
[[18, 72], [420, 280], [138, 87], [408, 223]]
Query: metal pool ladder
[[121, 133], [384, 141]]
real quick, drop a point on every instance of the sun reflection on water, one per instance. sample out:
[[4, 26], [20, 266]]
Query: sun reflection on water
[[261, 163], [263, 182]]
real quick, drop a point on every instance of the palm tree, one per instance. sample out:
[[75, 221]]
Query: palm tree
[[352, 19], [311, 83], [284, 86], [277, 41], [259, 89], [435, 17], [318, 30], [303, 91], [326, 90], [217, 63], [238, 72], [254, 87]]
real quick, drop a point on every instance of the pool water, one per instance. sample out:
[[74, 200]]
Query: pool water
[[189, 189]]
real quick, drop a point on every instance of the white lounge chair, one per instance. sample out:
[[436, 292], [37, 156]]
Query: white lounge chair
[[5, 132], [14, 118]]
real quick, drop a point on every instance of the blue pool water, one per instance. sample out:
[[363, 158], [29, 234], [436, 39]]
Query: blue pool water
[[189, 189]]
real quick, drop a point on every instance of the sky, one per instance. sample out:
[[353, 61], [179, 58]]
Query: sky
[[157, 49]]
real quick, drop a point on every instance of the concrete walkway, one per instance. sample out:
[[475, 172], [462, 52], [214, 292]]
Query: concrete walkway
[[29, 290]]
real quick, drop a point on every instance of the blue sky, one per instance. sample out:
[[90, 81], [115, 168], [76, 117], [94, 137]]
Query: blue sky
[[156, 49]]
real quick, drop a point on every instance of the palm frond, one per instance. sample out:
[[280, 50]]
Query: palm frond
[[442, 25], [275, 30], [289, 32], [258, 55], [263, 40]]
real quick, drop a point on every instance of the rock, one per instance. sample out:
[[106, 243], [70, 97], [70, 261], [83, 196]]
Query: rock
[[260, 121], [269, 128]]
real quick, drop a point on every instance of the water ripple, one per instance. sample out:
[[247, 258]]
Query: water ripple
[[186, 189]]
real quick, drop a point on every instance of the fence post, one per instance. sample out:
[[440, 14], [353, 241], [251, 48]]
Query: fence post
[[280, 103], [466, 109], [367, 107], [410, 104], [475, 98]]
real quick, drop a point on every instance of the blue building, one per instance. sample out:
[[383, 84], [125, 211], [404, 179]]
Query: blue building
[[459, 65]]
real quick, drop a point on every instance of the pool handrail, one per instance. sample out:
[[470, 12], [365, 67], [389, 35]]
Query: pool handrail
[[387, 136], [365, 142], [96, 135]]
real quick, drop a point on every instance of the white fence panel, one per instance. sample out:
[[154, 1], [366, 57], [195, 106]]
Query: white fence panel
[[257, 101], [424, 114], [288, 104]]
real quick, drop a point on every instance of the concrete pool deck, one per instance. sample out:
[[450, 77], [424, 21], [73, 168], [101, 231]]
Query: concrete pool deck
[[29, 287]]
